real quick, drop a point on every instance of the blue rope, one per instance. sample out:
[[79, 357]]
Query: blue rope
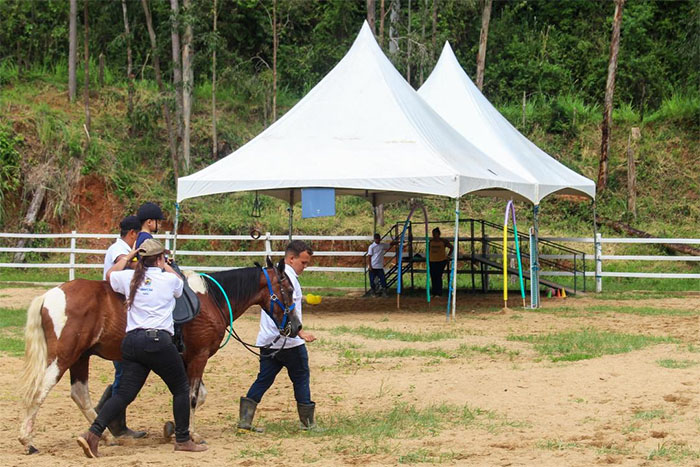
[[230, 311]]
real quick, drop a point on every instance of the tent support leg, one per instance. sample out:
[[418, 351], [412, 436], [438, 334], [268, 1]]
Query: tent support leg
[[453, 279], [535, 259]]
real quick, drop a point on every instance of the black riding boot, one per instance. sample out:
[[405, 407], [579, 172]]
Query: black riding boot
[[118, 426], [306, 415], [247, 412]]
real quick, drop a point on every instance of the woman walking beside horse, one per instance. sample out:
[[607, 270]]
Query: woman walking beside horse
[[150, 292]]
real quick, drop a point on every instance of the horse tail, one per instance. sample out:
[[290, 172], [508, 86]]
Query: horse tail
[[35, 351]]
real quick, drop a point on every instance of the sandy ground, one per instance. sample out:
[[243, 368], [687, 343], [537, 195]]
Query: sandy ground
[[617, 409]]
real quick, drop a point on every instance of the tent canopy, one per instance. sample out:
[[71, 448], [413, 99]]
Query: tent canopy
[[454, 96], [362, 130]]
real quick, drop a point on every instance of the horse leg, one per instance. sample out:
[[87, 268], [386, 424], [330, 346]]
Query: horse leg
[[32, 402], [79, 387], [198, 394]]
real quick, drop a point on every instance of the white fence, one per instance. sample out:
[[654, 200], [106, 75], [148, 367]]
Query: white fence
[[73, 251]]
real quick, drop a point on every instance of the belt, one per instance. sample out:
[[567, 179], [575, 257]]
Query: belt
[[151, 332]]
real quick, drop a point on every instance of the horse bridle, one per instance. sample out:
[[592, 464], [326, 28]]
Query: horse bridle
[[284, 325]]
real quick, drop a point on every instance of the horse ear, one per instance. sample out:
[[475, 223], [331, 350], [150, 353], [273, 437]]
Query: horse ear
[[268, 261], [257, 264], [280, 266]]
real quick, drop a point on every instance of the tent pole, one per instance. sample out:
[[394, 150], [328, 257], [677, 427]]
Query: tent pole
[[454, 261], [535, 276], [291, 212], [177, 217], [598, 281]]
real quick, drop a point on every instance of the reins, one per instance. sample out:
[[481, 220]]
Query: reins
[[231, 332]]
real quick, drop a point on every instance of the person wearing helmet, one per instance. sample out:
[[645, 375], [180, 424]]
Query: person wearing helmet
[[149, 214]]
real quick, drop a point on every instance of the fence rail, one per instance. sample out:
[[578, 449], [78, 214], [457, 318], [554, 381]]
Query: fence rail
[[265, 242]]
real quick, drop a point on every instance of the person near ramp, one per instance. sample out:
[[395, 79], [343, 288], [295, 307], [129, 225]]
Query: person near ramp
[[289, 353]]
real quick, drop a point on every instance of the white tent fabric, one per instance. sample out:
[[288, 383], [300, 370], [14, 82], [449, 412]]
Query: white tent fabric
[[456, 98], [362, 130]]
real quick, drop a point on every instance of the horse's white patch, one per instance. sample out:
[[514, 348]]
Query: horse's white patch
[[196, 282], [81, 396], [50, 379], [55, 304]]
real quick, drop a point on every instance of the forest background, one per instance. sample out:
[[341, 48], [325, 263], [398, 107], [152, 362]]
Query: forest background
[[72, 159]]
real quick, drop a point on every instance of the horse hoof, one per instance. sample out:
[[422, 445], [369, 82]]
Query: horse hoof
[[32, 450], [168, 430]]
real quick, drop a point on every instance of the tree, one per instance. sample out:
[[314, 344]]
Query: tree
[[609, 91], [483, 38], [394, 28], [129, 69], [161, 88], [382, 14], [187, 83], [435, 18], [72, 48], [214, 142], [86, 61], [177, 66], [371, 13]]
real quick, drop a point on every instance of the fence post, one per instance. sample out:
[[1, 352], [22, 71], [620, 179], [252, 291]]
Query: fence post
[[268, 245], [71, 271], [167, 239], [598, 262]]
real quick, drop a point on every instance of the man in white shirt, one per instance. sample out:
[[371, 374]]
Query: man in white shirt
[[375, 260], [287, 353], [129, 229]]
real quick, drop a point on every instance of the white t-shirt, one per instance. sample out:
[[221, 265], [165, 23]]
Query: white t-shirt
[[376, 252], [115, 250], [269, 330], [154, 301]]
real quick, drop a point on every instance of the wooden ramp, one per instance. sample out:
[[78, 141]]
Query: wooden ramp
[[526, 275]]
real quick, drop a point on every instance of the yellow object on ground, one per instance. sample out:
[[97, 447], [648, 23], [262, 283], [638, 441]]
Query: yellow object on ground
[[312, 299]]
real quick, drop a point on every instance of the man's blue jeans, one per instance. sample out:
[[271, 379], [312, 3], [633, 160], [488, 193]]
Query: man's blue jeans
[[296, 360], [377, 273], [118, 372]]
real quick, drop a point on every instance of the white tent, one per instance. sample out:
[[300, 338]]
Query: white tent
[[454, 96], [362, 130]]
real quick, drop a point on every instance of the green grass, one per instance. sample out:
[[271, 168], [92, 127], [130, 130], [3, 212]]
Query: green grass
[[403, 421], [557, 445], [391, 334], [356, 358], [650, 414], [587, 343], [572, 311], [674, 452], [12, 335], [677, 364], [425, 456], [11, 317]]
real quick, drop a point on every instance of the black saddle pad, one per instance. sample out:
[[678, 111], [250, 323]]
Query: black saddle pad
[[187, 306]]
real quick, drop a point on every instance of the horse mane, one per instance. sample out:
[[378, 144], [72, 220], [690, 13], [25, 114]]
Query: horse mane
[[240, 286]]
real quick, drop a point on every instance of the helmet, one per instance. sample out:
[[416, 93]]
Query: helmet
[[149, 211]]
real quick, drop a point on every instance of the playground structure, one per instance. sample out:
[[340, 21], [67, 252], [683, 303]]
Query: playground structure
[[480, 258]]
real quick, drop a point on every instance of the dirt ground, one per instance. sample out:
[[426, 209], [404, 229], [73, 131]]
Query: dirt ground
[[621, 409]]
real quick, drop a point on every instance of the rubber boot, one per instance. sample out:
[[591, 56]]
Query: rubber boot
[[89, 442], [118, 426], [306, 415], [247, 412]]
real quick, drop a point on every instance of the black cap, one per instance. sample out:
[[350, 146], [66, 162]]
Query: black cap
[[149, 211], [130, 223]]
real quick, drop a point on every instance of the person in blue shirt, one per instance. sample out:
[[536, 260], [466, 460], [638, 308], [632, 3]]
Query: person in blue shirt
[[149, 214]]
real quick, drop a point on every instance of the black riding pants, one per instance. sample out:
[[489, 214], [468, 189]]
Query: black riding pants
[[143, 351], [436, 270]]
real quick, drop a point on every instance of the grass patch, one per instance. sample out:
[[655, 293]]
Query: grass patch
[[673, 452], [557, 445], [425, 456], [390, 334], [259, 453], [676, 364], [573, 312], [403, 421], [587, 343], [649, 414], [12, 345], [358, 358], [12, 338], [12, 317]]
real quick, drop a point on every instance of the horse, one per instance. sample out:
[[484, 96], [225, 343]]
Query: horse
[[81, 318]]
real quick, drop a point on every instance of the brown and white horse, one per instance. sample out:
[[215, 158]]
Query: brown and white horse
[[80, 318]]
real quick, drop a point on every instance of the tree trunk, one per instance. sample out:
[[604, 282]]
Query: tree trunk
[[101, 70], [380, 215], [394, 28], [86, 60], [422, 42], [382, 14], [632, 141], [275, 44], [161, 89], [30, 218], [187, 84], [214, 142], [72, 49], [408, 45], [483, 38], [129, 70], [435, 18], [177, 67], [371, 15], [609, 91]]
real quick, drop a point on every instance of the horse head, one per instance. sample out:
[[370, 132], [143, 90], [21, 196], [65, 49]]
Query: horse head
[[279, 303]]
